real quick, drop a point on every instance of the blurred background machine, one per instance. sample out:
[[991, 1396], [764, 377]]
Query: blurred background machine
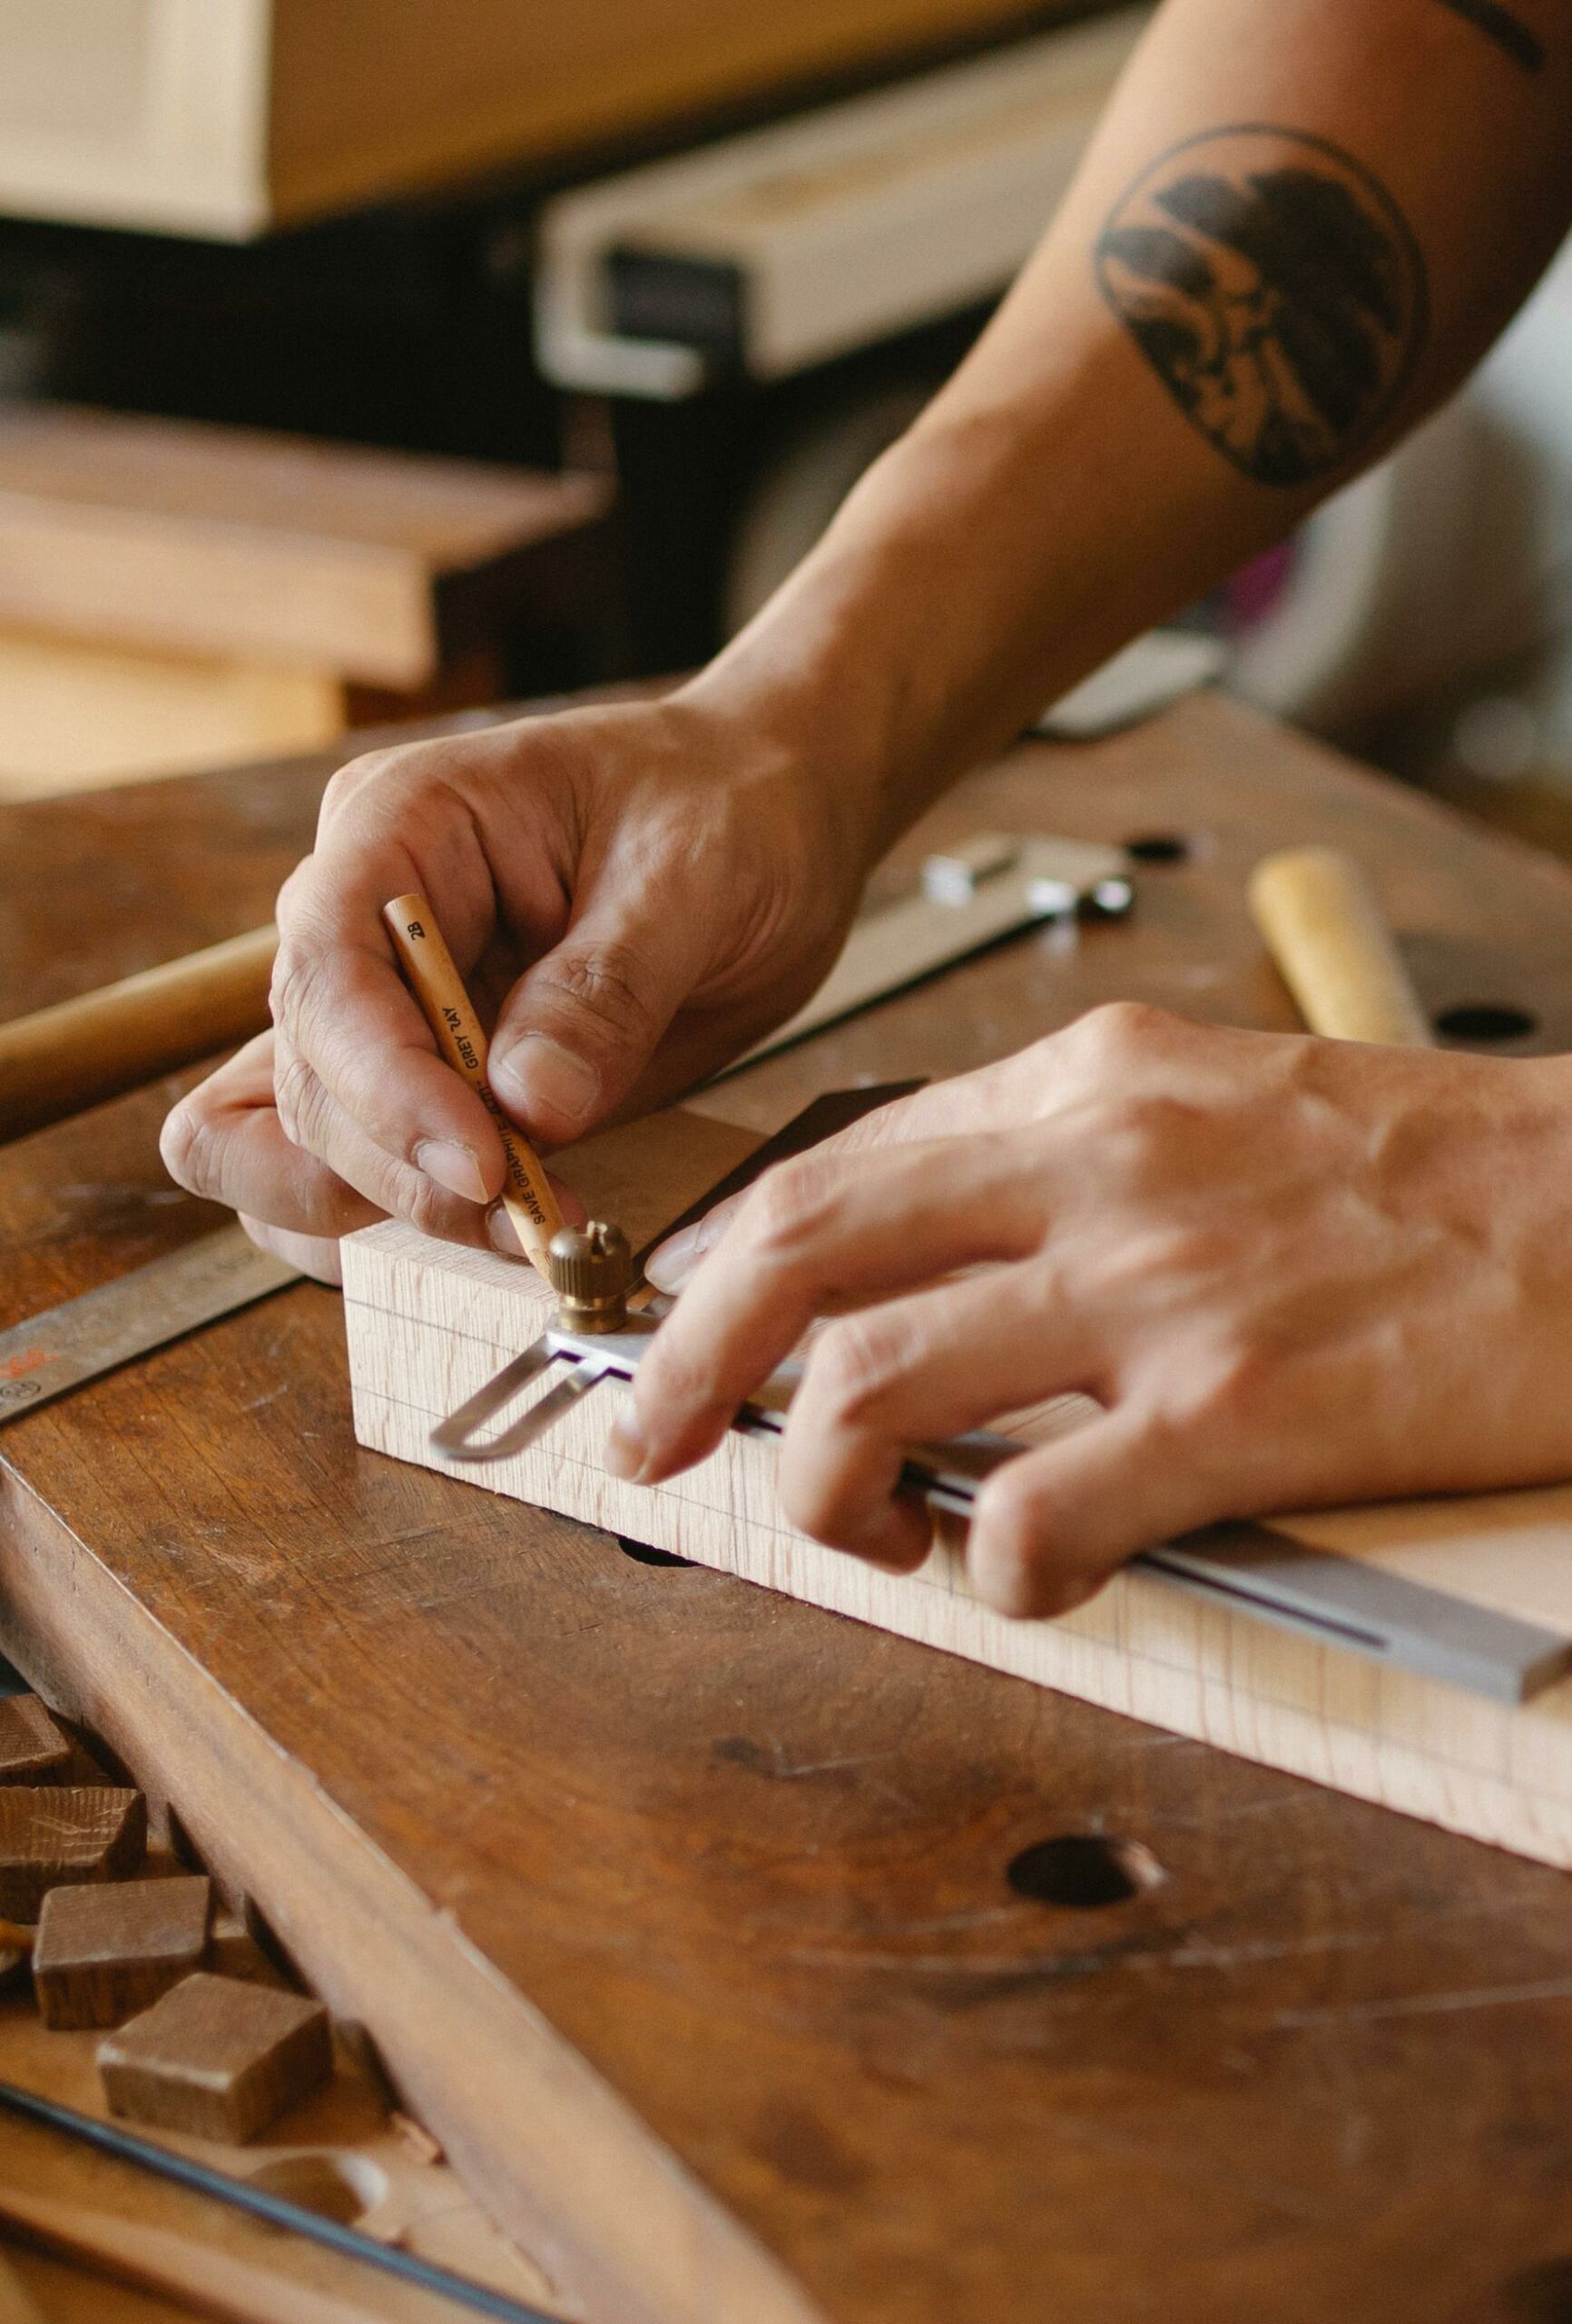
[[699, 259]]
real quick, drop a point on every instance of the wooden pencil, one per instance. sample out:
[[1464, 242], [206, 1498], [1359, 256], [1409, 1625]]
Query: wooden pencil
[[435, 981]]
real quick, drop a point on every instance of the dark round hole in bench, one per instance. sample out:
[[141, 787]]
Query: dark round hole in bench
[[645, 1554], [1083, 1869], [1158, 847], [1486, 1020]]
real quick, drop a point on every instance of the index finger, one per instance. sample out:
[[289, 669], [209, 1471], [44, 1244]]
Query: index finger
[[815, 1234]]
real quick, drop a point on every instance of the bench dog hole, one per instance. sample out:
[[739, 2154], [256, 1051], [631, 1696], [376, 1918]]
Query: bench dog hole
[[1086, 1870], [1486, 1020], [1158, 847], [645, 1554], [339, 2187]]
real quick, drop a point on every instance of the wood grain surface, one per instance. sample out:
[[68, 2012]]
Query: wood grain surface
[[682, 1912]]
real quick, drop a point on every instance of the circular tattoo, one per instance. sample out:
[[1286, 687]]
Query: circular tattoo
[[1276, 291]]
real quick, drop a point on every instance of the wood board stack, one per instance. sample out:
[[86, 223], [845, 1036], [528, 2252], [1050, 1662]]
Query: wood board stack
[[430, 1323], [173, 593]]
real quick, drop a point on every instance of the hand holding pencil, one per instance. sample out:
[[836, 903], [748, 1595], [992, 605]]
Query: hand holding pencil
[[528, 1197]]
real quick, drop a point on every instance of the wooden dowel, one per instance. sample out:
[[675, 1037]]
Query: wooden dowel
[[59, 1061], [437, 984], [1324, 928]]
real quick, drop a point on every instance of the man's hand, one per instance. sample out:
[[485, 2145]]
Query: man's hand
[[634, 893], [1289, 1272]]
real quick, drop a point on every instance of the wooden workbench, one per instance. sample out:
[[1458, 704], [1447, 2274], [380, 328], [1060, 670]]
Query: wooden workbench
[[679, 1910]]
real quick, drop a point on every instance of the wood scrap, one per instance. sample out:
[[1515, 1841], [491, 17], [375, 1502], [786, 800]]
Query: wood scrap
[[51, 1835], [32, 1748], [104, 1953], [217, 2058]]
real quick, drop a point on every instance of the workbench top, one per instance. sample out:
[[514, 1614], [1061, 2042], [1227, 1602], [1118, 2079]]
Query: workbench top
[[681, 1910]]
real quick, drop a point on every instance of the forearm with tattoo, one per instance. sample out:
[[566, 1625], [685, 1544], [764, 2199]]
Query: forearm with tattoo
[[1276, 291]]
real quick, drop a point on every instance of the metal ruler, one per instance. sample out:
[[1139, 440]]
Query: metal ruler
[[994, 885], [83, 1338]]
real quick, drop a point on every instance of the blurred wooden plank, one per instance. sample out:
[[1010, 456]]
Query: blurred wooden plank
[[77, 717], [275, 550], [180, 115]]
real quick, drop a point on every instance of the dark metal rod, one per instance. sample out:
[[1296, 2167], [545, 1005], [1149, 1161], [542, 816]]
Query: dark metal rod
[[278, 2212]]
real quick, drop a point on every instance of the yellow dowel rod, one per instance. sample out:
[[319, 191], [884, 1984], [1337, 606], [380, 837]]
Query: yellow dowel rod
[[1324, 928]]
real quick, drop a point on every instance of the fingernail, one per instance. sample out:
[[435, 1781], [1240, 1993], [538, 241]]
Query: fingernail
[[453, 1167], [625, 1451], [669, 1268], [543, 1076], [502, 1234]]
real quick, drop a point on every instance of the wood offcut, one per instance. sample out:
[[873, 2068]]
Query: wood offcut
[[32, 1748], [55, 1836], [217, 2058], [103, 1952]]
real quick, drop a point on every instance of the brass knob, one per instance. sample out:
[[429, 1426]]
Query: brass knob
[[591, 1271]]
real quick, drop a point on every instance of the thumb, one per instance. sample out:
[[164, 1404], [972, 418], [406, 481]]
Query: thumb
[[579, 1026], [1050, 1527]]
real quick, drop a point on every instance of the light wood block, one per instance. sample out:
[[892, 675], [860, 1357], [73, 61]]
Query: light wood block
[[429, 1323], [217, 2058], [55, 1837], [181, 115], [103, 1953]]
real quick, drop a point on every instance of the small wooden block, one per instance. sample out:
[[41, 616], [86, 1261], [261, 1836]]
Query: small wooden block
[[105, 1953], [57, 1836], [217, 2059], [32, 1749]]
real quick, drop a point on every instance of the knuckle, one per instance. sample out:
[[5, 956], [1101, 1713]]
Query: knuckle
[[300, 997], [857, 1361], [346, 784], [610, 984], [1121, 1030], [789, 1209], [298, 1095]]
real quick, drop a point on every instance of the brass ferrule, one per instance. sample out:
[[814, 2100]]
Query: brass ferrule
[[591, 1271]]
